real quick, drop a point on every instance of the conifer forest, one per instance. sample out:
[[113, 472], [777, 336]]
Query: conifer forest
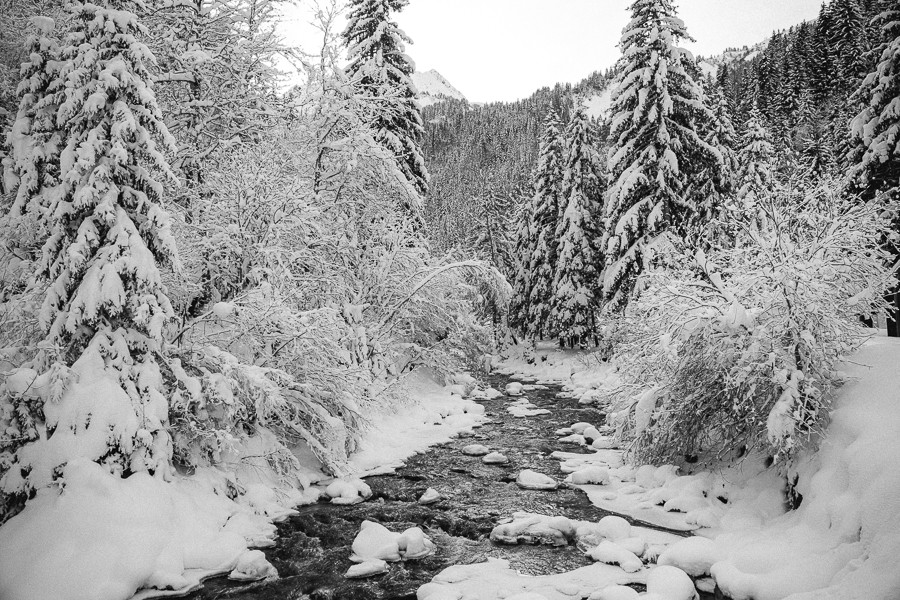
[[284, 320]]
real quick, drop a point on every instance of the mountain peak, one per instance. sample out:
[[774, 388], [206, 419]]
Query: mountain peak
[[434, 88]]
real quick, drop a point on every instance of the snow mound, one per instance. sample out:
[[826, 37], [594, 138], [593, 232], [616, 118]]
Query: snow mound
[[613, 554], [376, 542], [350, 490], [514, 388], [592, 475], [614, 592], [368, 568], [105, 538], [669, 583], [694, 556], [532, 480]]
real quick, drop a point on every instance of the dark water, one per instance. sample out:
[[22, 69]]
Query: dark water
[[313, 549]]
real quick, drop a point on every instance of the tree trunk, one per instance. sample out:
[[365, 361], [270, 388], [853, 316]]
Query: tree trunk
[[893, 321]]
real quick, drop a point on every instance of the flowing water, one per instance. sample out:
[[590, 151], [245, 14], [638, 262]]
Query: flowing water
[[313, 549]]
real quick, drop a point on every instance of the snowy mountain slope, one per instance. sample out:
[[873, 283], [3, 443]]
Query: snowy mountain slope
[[434, 88]]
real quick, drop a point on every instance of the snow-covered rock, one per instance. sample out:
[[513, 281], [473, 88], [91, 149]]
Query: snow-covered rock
[[348, 491], [252, 566], [589, 476], [613, 554], [430, 496], [614, 592], [614, 528], [476, 450], [368, 568], [580, 427], [670, 583], [693, 555], [572, 439], [514, 388], [590, 434], [495, 458], [376, 542], [524, 408], [532, 480], [534, 529]]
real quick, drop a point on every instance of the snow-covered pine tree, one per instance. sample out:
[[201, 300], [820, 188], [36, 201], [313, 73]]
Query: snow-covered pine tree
[[847, 42], [545, 216], [521, 262], [32, 167], [757, 162], [658, 107], [381, 70], [577, 279], [107, 230], [492, 237], [874, 153]]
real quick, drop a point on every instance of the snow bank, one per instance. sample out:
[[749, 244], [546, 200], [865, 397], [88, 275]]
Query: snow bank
[[495, 579], [101, 537], [435, 416], [843, 542]]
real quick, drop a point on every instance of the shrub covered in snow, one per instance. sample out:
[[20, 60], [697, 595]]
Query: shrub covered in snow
[[736, 348]]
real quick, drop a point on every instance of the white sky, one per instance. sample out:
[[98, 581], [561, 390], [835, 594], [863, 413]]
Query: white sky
[[495, 50]]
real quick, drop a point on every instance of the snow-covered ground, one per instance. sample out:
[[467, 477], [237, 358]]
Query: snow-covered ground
[[842, 543], [104, 538]]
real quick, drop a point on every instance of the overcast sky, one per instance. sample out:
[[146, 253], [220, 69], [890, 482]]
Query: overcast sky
[[506, 49]]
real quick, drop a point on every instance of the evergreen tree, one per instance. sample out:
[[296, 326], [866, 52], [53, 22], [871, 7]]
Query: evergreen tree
[[33, 165], [492, 239], [107, 229], [875, 132], [657, 109], [545, 215], [757, 161], [521, 278], [381, 70], [847, 42], [576, 283]]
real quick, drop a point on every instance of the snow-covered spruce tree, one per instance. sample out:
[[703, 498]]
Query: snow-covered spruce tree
[[32, 168], [658, 108], [543, 243], [756, 159], [576, 284], [521, 275], [491, 239], [874, 153], [381, 70], [105, 305]]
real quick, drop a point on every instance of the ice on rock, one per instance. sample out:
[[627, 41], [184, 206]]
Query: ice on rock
[[495, 458], [532, 480], [430, 496], [614, 592], [670, 583], [348, 491], [476, 450], [613, 554], [614, 528], [589, 476], [514, 389], [707, 585], [252, 566], [375, 542], [414, 544], [368, 568], [693, 555]]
